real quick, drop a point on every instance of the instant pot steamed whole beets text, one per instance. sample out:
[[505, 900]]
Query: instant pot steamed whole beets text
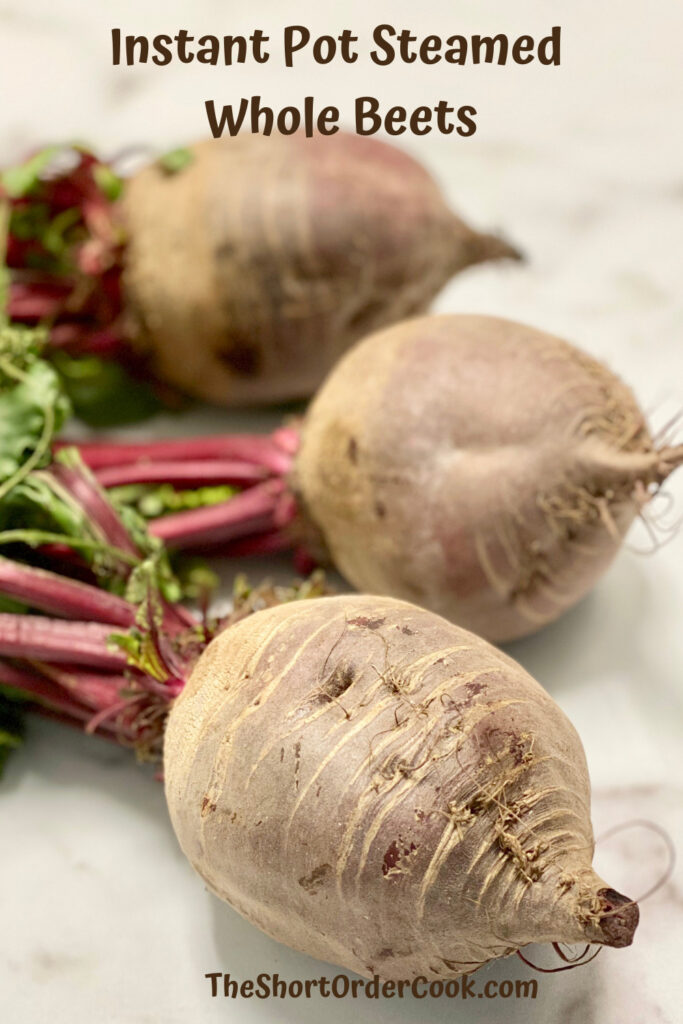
[[238, 270], [361, 779], [480, 468]]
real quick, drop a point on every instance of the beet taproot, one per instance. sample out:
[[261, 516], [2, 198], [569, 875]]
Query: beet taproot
[[477, 467], [357, 777], [241, 272], [381, 789], [483, 469]]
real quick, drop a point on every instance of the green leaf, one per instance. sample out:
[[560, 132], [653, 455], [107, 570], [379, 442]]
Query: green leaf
[[33, 507], [20, 180], [30, 221], [176, 160], [33, 406], [40, 510], [37, 506], [153, 575], [54, 234]]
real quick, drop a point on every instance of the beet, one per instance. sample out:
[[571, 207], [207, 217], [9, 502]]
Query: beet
[[241, 272], [480, 468]]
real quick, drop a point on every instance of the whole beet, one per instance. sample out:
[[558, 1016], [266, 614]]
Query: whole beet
[[381, 789], [475, 466], [251, 270]]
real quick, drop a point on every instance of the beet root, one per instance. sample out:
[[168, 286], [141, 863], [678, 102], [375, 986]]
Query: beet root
[[381, 789], [480, 468], [250, 271]]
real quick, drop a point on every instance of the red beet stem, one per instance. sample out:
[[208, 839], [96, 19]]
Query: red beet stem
[[58, 595], [35, 302], [259, 513], [94, 502], [198, 473], [177, 618], [272, 452], [49, 697], [31, 684], [39, 639], [252, 511], [97, 690]]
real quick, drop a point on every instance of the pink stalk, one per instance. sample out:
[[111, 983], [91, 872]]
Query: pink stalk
[[273, 452], [59, 595], [252, 511], [35, 686], [251, 522], [39, 639], [198, 473], [35, 302], [177, 618], [73, 669], [94, 502], [68, 598], [97, 690]]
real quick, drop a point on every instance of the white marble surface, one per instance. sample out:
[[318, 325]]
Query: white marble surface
[[100, 917]]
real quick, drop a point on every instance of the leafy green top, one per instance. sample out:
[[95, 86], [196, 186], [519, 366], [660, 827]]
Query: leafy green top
[[34, 406]]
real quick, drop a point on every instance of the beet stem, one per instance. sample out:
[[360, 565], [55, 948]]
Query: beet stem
[[248, 523], [197, 473], [41, 639], [58, 595], [29, 683], [252, 511], [86, 492], [255, 449], [96, 690]]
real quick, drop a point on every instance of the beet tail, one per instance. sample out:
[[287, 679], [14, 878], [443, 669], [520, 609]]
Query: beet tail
[[482, 247], [670, 458]]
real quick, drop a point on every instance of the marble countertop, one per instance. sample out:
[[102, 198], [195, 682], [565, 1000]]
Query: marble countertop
[[101, 918]]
